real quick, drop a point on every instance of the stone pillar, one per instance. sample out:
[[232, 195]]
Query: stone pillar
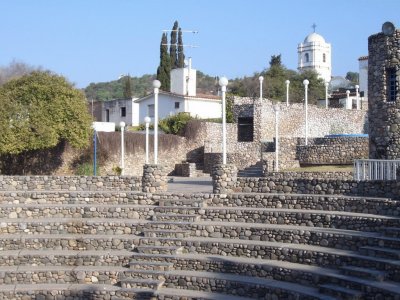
[[154, 179], [224, 178]]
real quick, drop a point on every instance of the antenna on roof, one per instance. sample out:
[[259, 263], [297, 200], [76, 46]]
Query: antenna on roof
[[190, 31]]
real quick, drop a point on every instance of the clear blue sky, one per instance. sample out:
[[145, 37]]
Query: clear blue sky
[[97, 40]]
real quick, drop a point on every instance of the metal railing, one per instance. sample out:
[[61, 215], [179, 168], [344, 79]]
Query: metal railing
[[375, 169]]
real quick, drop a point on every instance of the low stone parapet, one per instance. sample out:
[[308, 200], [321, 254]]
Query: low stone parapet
[[154, 179], [224, 178], [70, 183]]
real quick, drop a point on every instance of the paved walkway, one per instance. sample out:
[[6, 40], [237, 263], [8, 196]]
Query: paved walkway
[[190, 185]]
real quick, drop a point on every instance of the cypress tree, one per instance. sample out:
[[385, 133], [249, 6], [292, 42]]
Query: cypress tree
[[172, 47], [164, 68], [127, 87], [181, 56]]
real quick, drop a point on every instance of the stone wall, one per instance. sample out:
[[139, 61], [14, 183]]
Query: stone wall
[[383, 114], [333, 151], [70, 183], [389, 189], [154, 178]]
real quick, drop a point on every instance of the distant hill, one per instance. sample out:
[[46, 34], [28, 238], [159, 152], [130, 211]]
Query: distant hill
[[104, 91]]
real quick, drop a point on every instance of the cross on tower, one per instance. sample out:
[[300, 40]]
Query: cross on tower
[[314, 26]]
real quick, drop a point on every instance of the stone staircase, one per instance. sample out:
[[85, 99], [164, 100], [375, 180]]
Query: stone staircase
[[129, 245], [255, 170]]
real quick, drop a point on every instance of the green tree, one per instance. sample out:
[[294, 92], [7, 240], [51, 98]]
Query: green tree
[[352, 77], [172, 47], [39, 110], [164, 69], [127, 87], [276, 60], [181, 55]]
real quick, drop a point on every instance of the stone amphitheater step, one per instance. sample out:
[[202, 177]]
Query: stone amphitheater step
[[71, 291], [31, 211], [159, 249], [307, 254], [176, 209], [256, 288], [151, 265], [333, 237], [166, 233], [71, 225], [391, 231], [176, 217], [364, 273], [47, 257], [341, 292], [71, 197], [191, 294], [157, 241], [153, 284], [309, 201], [310, 275], [67, 242], [187, 202], [381, 252]]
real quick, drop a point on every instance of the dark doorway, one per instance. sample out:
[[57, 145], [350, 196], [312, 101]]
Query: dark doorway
[[245, 129]]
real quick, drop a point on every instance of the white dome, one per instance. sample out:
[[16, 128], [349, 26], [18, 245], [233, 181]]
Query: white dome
[[314, 38]]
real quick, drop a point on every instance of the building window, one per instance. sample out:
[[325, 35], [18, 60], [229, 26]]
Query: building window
[[150, 110], [245, 129], [324, 57], [307, 57], [107, 115], [177, 104], [123, 111], [392, 84]]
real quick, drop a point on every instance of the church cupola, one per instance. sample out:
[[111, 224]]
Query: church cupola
[[315, 54]]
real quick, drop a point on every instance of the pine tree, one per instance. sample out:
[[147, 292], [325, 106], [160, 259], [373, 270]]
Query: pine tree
[[164, 68], [181, 56], [127, 87], [172, 47]]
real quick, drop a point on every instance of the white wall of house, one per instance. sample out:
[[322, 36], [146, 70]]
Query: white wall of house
[[169, 105], [121, 110], [204, 108], [363, 75], [183, 81]]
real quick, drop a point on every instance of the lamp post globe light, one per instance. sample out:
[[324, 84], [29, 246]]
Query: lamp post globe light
[[326, 93], [357, 97], [223, 82], [147, 121], [276, 110], [287, 82], [348, 103], [122, 126], [261, 79], [156, 86], [306, 83]]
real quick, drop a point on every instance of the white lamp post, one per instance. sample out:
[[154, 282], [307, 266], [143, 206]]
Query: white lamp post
[[147, 120], [348, 103], [276, 109], [306, 83], [261, 78], [122, 126], [357, 97], [156, 86], [326, 94], [223, 82], [287, 92]]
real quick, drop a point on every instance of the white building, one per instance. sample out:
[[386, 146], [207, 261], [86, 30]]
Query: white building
[[181, 98], [126, 110], [363, 75], [315, 54]]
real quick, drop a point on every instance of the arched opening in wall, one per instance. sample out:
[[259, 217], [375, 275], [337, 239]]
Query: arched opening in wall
[[245, 129], [307, 57], [324, 57]]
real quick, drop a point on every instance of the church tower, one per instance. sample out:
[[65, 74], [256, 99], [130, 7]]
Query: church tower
[[315, 54]]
